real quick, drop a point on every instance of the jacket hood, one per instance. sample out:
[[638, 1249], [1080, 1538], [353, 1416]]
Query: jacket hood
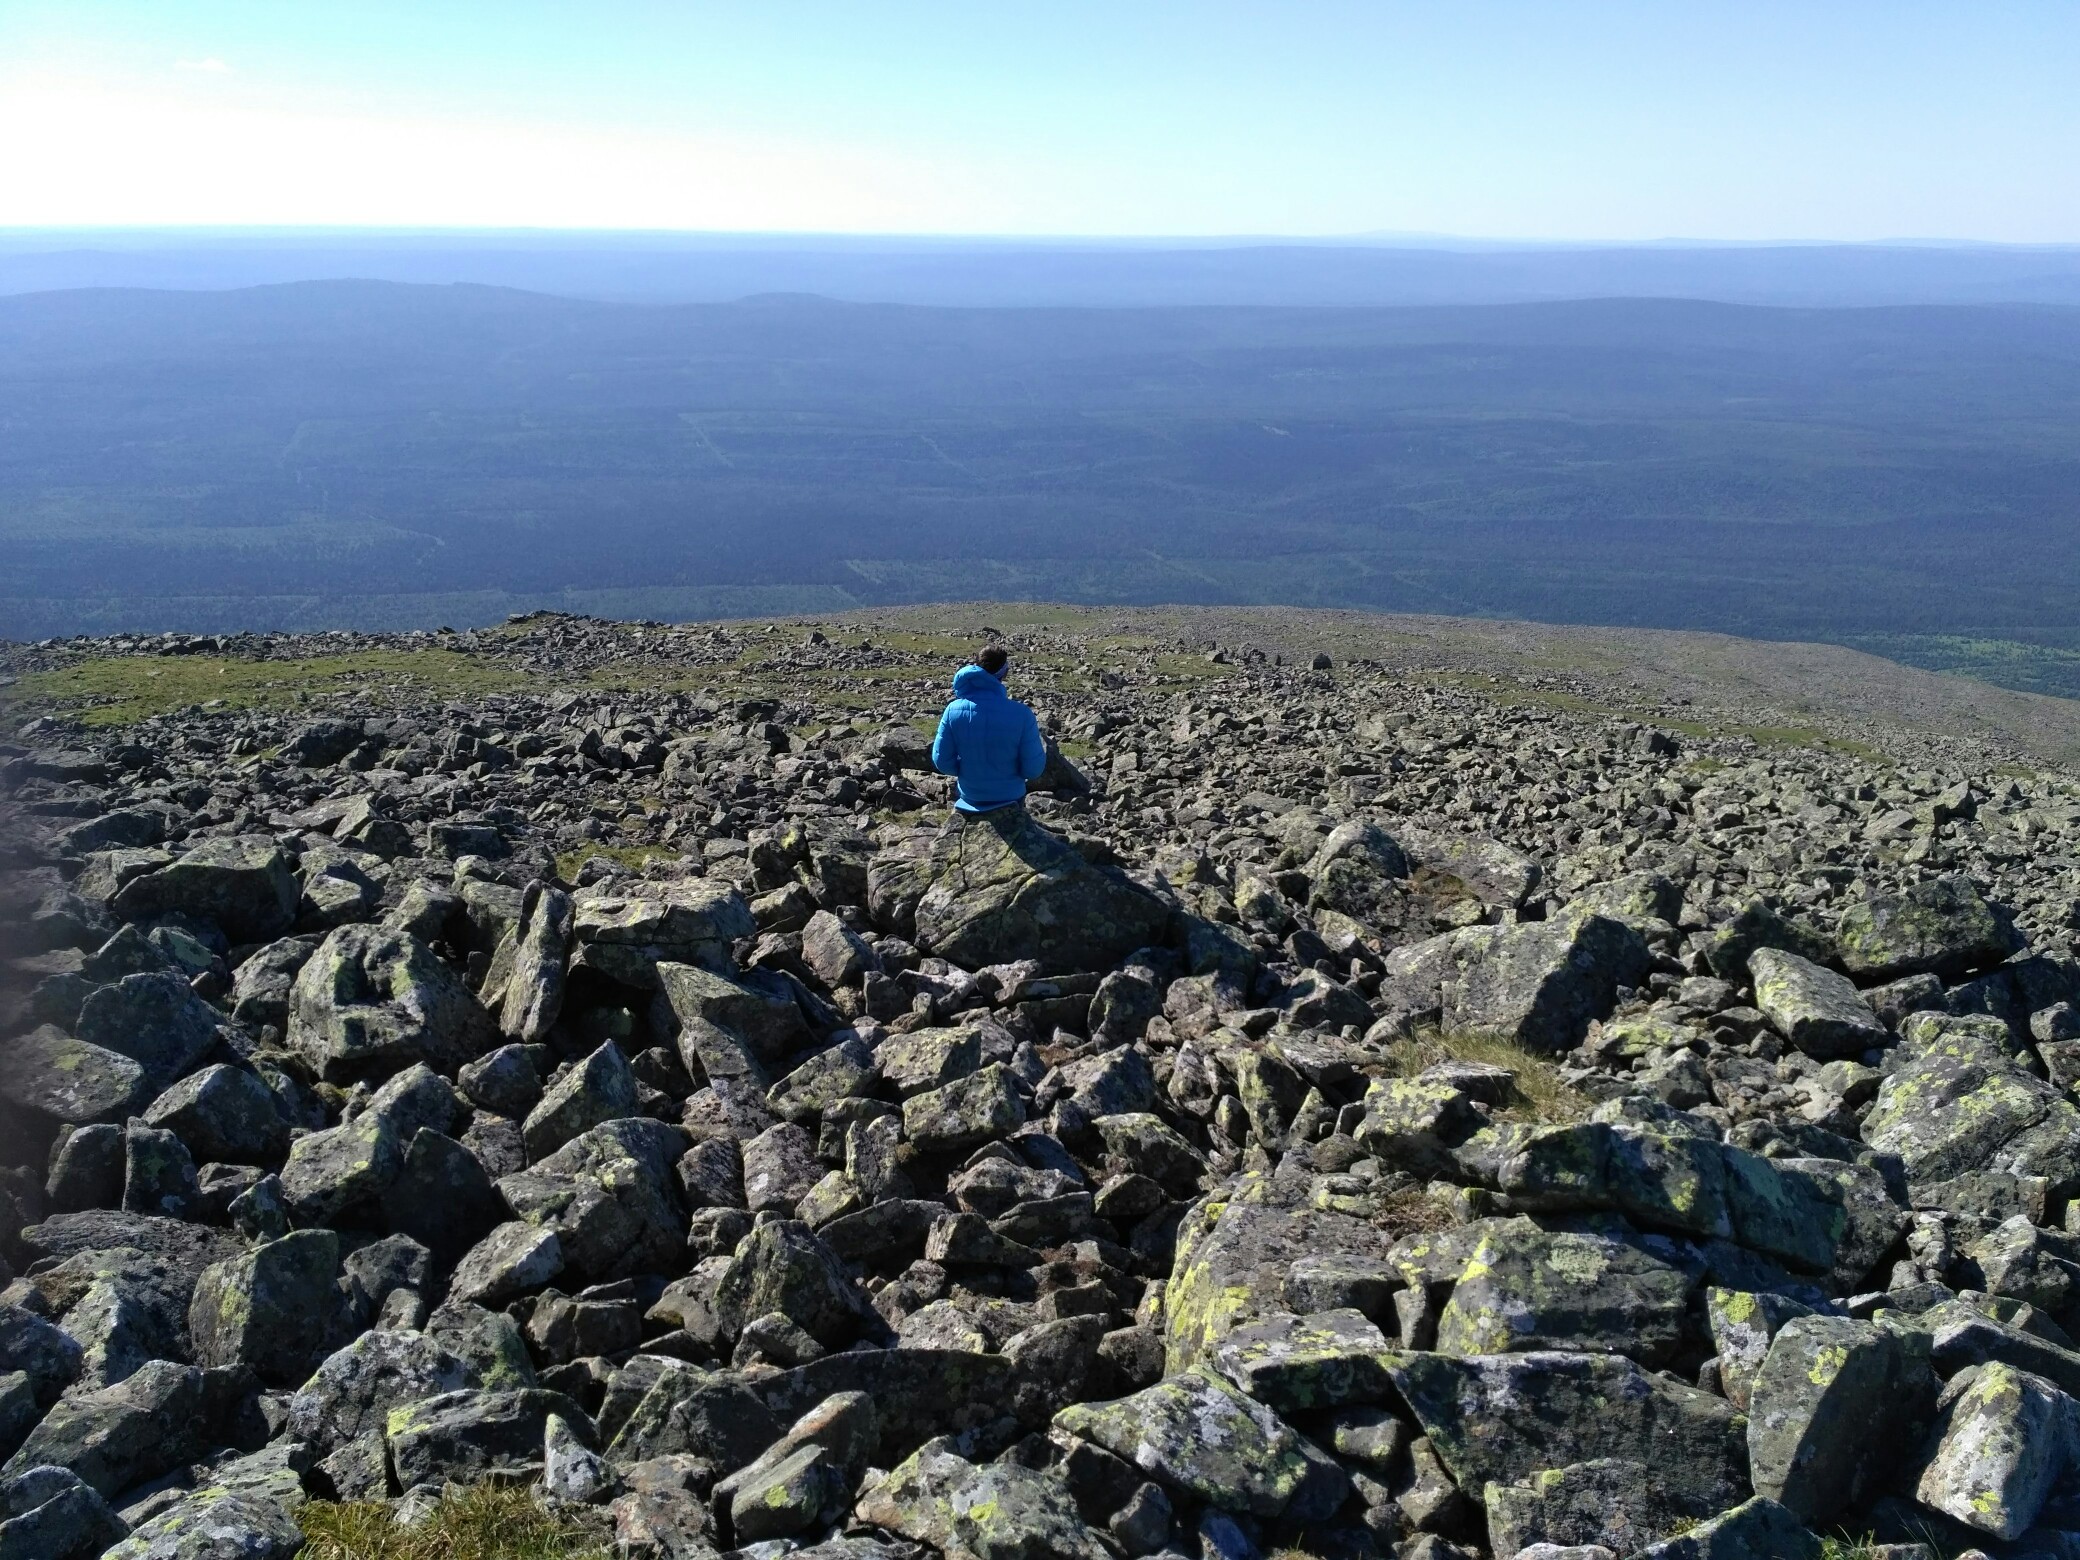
[[972, 682]]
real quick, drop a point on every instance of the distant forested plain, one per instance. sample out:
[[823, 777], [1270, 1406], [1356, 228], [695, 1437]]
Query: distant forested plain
[[374, 454]]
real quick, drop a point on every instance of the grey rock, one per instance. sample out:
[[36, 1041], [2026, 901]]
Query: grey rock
[[225, 1114], [1815, 1009], [372, 1000], [242, 883]]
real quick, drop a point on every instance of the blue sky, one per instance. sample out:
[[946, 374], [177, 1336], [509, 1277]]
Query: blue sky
[[1559, 119]]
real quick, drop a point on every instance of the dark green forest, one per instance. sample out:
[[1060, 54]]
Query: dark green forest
[[1905, 479]]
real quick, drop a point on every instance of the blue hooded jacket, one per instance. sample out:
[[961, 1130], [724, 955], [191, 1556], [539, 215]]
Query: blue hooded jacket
[[989, 742]]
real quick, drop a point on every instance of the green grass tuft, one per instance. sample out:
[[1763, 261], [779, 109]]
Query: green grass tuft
[[1540, 1095], [485, 1522]]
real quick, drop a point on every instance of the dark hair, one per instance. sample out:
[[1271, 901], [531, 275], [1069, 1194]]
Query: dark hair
[[992, 659]]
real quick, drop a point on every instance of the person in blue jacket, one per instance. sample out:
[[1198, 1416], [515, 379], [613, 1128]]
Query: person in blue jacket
[[988, 741]]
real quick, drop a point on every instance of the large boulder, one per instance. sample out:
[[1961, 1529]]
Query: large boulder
[[225, 1114], [155, 1019], [278, 1308], [783, 1267], [533, 988], [70, 1080], [1942, 927], [1526, 1291], [352, 1392], [120, 1436], [1837, 1405], [1002, 888], [995, 1511], [626, 931], [243, 883], [1234, 1255], [1504, 1418], [372, 1000], [1196, 1434], [1815, 1009], [1542, 983], [2006, 1439], [474, 1433], [1960, 1100], [611, 1198], [756, 1008]]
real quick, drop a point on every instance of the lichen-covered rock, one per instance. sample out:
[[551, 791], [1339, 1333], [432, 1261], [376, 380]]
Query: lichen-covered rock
[[1233, 1255], [965, 1113], [757, 1007], [1503, 1418], [122, 1435], [997, 1511], [467, 1434], [1541, 984], [1564, 1291], [1960, 1101], [610, 1197], [1831, 1413], [371, 1000], [342, 1168], [243, 883], [1196, 1434], [1942, 926], [1743, 1325], [352, 1391], [225, 1114], [70, 1080], [50, 1513], [155, 1019], [278, 1309], [533, 990], [783, 1267], [1815, 1009], [602, 1087], [1758, 1529], [2006, 1438], [1002, 887], [1301, 1364], [1621, 1505]]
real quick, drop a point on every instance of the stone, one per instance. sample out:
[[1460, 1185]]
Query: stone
[[837, 954], [965, 1113], [1831, 1414], [610, 1196], [50, 1513], [1942, 926], [998, 1511], [351, 1393], [1622, 1506], [2005, 1440], [1521, 1293], [243, 883], [120, 1436], [441, 1196], [372, 1000], [1504, 1418], [779, 1168], [757, 1007], [158, 1173], [468, 1434], [1815, 1009], [1003, 887], [331, 1173], [277, 1309], [600, 1088], [783, 1267], [1196, 1434], [154, 1019], [69, 1080], [39, 1350], [225, 1114], [1758, 1529], [1300, 1364], [1541, 984], [533, 994], [513, 1258], [1743, 1325]]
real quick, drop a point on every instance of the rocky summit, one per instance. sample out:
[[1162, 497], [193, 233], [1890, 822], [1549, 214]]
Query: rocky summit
[[1354, 1110]]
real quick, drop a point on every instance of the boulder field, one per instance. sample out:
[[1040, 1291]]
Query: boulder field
[[1343, 1116]]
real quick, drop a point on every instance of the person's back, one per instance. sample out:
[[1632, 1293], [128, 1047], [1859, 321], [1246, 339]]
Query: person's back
[[988, 741]]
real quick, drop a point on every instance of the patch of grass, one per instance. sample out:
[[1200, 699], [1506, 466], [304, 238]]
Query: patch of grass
[[486, 1522], [1540, 1095], [123, 689], [634, 857], [1845, 1547]]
